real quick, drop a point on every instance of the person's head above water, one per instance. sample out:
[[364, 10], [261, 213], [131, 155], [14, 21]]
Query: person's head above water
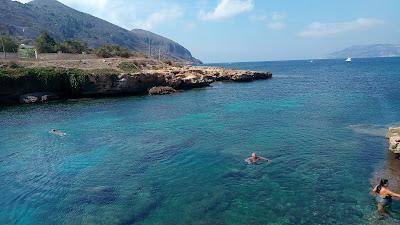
[[383, 183], [253, 155]]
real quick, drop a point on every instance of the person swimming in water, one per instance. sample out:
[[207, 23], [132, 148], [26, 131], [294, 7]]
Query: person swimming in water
[[254, 158], [57, 132], [384, 195]]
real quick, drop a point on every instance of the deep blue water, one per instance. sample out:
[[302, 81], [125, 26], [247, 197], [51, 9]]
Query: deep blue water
[[178, 159]]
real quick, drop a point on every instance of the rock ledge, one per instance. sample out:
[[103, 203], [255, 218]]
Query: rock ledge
[[394, 139]]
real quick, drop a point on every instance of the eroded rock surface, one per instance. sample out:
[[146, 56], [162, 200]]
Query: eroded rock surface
[[394, 139], [165, 90], [37, 97], [178, 78]]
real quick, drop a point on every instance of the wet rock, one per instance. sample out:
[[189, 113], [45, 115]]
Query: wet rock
[[37, 97], [394, 139], [164, 90], [242, 77]]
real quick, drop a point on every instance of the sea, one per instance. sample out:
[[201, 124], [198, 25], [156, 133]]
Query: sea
[[179, 159]]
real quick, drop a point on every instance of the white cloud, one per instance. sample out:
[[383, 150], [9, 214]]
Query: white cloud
[[276, 21], [317, 29], [255, 17], [277, 16], [276, 25], [160, 17], [228, 8]]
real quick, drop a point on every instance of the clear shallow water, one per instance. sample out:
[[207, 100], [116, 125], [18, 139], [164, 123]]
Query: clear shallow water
[[179, 159]]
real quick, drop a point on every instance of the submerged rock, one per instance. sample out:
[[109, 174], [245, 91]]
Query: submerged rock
[[164, 90], [37, 97], [394, 139], [99, 195]]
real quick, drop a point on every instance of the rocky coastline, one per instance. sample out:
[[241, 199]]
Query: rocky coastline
[[393, 136], [160, 80]]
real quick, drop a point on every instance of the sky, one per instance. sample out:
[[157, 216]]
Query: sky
[[255, 30]]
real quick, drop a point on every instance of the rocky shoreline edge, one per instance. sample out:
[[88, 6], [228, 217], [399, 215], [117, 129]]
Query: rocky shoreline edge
[[64, 83], [393, 136]]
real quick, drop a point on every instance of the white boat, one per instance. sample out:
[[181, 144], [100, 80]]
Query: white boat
[[348, 59]]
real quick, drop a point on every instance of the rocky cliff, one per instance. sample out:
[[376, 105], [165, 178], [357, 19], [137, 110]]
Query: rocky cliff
[[177, 78], [32, 85]]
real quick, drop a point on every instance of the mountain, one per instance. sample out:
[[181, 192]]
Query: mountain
[[161, 46], [27, 21], [368, 51]]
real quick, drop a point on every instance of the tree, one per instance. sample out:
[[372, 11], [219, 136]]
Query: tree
[[8, 44], [74, 47], [45, 44]]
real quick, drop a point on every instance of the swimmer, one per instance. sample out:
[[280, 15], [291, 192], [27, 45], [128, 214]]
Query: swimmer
[[57, 132], [384, 195], [254, 158]]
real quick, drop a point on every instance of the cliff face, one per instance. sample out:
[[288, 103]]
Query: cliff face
[[179, 78], [72, 83]]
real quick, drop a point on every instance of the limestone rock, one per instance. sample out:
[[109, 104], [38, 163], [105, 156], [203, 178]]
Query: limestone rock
[[394, 139], [37, 97], [164, 90]]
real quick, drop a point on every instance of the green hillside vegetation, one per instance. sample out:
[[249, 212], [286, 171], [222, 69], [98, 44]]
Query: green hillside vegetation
[[27, 21]]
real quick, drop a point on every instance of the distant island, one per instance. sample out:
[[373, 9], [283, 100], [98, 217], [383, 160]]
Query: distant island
[[367, 51], [26, 21]]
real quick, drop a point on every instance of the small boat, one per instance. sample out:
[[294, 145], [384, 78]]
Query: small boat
[[348, 59]]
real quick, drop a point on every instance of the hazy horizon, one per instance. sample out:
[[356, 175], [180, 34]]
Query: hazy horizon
[[255, 30]]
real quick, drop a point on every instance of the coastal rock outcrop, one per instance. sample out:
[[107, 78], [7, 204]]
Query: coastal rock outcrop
[[122, 84], [165, 90], [394, 139], [112, 82]]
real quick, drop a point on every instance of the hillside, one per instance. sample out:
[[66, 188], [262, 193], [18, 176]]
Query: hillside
[[27, 21], [368, 51]]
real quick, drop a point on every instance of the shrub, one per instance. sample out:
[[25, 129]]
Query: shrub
[[50, 79], [73, 47], [107, 51], [26, 53], [129, 67]]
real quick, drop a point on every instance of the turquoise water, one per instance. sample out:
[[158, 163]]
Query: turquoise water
[[179, 159]]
